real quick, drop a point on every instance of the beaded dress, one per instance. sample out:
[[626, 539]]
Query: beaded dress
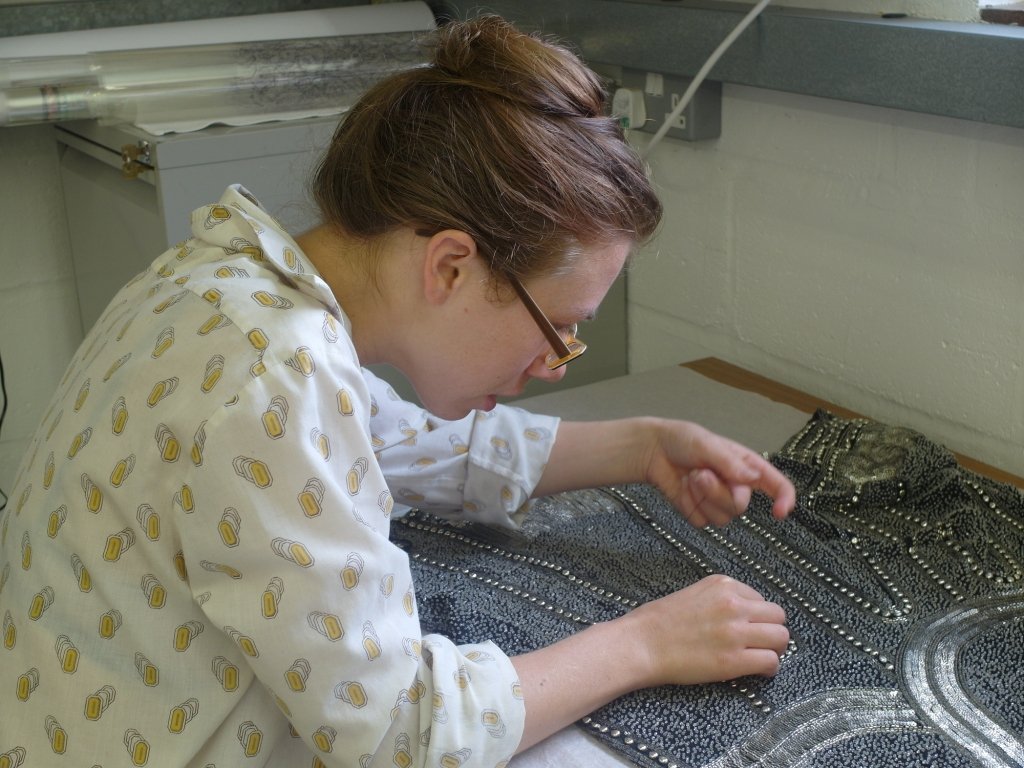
[[901, 576]]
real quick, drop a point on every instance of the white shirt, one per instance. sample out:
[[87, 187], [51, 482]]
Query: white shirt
[[195, 560]]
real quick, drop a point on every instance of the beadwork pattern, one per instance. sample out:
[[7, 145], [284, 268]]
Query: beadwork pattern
[[900, 573]]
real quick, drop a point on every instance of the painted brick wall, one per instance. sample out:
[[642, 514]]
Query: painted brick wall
[[870, 256]]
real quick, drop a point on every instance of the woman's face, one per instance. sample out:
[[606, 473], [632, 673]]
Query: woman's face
[[491, 350]]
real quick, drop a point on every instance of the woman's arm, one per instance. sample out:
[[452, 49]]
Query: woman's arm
[[708, 478]]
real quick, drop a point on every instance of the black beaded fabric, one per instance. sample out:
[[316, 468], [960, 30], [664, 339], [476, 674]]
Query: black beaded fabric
[[901, 576]]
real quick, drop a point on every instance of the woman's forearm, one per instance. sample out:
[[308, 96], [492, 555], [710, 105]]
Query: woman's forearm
[[563, 682], [587, 454]]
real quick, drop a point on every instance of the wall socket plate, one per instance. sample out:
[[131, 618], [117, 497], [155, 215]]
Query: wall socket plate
[[702, 118]]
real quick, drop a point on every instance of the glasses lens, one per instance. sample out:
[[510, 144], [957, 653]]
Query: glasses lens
[[576, 348]]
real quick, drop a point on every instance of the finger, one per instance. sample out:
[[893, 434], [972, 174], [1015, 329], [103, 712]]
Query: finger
[[734, 462], [741, 498], [764, 612], [780, 489], [773, 637], [784, 499], [761, 661], [768, 479], [745, 470], [688, 504], [777, 486], [715, 499], [690, 501]]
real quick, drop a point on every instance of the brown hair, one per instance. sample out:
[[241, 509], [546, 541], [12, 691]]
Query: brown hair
[[503, 136]]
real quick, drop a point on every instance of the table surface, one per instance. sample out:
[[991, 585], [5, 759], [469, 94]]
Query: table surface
[[734, 376]]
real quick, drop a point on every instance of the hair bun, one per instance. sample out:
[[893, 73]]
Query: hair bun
[[457, 48], [489, 53]]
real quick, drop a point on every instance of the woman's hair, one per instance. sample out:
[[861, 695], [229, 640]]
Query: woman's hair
[[503, 136]]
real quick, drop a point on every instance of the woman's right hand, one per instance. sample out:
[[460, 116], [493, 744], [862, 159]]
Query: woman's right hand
[[716, 629]]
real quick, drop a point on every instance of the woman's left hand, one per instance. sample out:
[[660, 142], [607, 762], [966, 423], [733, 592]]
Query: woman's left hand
[[710, 478]]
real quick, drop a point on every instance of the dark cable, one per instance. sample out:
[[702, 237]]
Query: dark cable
[[3, 412]]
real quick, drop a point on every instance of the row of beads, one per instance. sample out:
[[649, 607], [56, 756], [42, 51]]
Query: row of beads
[[641, 513], [832, 582], [409, 521], [750, 695], [539, 602], [1012, 522], [934, 575], [630, 741], [1013, 570]]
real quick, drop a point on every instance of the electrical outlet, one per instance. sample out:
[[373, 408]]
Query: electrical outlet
[[702, 117], [680, 121]]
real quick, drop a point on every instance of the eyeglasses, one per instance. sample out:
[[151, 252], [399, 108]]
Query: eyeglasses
[[565, 346]]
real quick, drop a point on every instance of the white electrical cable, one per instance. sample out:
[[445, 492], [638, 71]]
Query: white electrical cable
[[703, 73]]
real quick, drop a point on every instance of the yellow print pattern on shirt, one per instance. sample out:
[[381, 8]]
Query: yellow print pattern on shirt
[[144, 513]]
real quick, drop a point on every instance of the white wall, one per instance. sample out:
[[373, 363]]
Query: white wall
[[39, 324], [869, 256]]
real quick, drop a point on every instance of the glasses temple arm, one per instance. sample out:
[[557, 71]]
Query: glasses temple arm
[[552, 335]]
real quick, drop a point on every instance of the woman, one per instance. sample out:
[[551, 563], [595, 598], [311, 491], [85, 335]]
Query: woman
[[197, 566]]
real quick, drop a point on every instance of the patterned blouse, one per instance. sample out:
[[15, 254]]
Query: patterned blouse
[[195, 566]]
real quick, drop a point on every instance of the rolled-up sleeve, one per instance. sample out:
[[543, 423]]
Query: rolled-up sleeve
[[483, 467]]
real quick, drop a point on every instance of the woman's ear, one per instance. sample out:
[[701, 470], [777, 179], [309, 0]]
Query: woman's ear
[[448, 259]]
